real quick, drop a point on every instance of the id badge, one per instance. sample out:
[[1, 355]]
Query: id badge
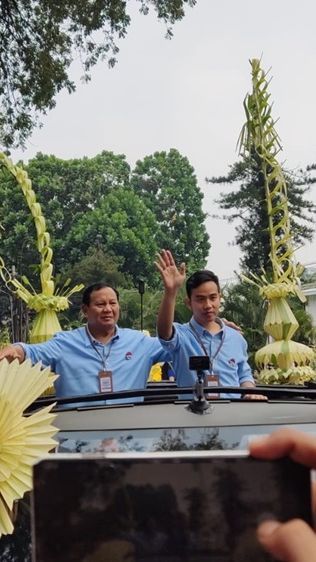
[[212, 380], [105, 380]]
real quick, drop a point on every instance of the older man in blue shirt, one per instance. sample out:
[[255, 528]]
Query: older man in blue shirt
[[98, 357], [205, 334]]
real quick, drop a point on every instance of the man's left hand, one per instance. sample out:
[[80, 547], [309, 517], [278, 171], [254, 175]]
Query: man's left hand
[[231, 324]]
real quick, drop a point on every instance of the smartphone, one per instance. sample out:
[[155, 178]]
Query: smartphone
[[199, 362], [161, 507]]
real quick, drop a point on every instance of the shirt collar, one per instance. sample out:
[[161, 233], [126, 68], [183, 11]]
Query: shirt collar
[[201, 330], [87, 333]]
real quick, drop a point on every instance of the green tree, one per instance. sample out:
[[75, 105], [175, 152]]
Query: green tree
[[95, 267], [306, 333], [242, 302], [131, 308], [18, 237], [246, 205], [130, 305], [102, 229], [39, 39], [88, 204], [66, 189], [123, 226], [168, 186]]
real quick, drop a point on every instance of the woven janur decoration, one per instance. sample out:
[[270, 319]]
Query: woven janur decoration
[[283, 360], [48, 302], [23, 439]]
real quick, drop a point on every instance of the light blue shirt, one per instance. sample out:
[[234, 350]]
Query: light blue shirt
[[230, 363], [130, 355]]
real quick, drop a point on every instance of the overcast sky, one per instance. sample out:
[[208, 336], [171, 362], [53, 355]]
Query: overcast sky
[[187, 93]]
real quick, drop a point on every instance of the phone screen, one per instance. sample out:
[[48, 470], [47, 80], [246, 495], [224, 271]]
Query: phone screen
[[161, 509]]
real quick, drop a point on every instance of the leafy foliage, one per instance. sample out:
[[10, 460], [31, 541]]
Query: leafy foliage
[[242, 303], [129, 231], [260, 144], [131, 309], [39, 39], [66, 189], [246, 205], [306, 332], [94, 267], [166, 183], [89, 204], [4, 336], [103, 227], [98, 266], [71, 188], [18, 237]]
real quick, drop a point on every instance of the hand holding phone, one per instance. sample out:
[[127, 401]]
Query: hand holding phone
[[195, 506], [293, 540]]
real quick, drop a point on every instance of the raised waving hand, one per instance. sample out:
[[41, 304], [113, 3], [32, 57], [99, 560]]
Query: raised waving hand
[[172, 276]]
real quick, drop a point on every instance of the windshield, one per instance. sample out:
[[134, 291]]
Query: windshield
[[172, 439]]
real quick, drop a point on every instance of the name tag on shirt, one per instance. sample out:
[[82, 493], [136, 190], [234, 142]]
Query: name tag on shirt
[[105, 381], [212, 380]]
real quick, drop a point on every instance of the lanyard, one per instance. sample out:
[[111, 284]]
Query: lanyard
[[199, 339], [102, 356]]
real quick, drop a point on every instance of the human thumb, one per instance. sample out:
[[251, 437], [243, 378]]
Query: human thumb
[[294, 541], [182, 268]]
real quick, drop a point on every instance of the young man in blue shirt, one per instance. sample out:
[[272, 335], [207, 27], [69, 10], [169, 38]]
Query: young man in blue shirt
[[205, 334]]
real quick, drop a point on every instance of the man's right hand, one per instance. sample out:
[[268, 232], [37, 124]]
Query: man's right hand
[[172, 276], [11, 352], [293, 541]]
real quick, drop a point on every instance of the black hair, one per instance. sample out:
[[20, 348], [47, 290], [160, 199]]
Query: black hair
[[199, 277], [96, 287]]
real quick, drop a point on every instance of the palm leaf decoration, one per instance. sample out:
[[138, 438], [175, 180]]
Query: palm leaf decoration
[[49, 301], [23, 439], [259, 140]]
